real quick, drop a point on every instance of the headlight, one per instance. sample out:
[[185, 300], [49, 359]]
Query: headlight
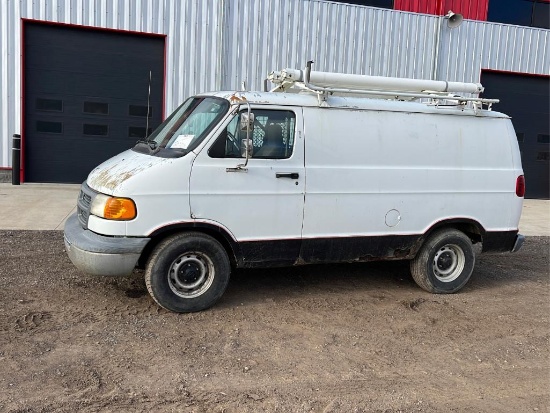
[[109, 207]]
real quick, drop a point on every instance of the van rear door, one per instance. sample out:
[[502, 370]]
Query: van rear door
[[262, 206]]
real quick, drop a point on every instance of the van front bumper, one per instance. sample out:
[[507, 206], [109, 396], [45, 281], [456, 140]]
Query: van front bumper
[[100, 255]]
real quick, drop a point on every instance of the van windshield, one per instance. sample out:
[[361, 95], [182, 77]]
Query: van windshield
[[188, 125]]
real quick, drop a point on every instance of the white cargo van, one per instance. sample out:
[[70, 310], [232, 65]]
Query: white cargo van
[[324, 168]]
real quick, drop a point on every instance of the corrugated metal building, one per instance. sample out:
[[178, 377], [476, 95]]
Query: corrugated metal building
[[59, 56]]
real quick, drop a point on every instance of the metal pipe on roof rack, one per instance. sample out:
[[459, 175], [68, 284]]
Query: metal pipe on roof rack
[[341, 80], [392, 93]]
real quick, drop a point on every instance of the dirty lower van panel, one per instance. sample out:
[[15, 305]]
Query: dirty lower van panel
[[359, 249]]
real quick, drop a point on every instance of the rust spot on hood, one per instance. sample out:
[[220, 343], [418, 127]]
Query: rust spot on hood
[[109, 177]]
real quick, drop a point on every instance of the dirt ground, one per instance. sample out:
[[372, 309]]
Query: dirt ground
[[336, 338]]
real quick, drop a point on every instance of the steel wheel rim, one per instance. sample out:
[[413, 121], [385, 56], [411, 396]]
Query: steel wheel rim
[[448, 263], [191, 274]]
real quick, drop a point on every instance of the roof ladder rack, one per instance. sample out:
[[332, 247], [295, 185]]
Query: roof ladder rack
[[327, 83]]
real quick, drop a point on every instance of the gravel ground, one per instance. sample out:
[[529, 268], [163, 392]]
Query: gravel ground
[[333, 338]]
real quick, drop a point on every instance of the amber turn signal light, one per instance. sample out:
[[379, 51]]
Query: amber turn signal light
[[119, 208]]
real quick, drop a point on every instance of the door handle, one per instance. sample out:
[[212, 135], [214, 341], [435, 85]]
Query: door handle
[[291, 175]]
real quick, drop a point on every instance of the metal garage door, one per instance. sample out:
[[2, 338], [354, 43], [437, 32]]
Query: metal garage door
[[86, 97], [526, 99]]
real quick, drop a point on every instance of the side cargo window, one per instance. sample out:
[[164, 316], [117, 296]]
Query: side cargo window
[[272, 137]]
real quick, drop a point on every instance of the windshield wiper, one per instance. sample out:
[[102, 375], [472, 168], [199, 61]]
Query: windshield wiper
[[150, 143]]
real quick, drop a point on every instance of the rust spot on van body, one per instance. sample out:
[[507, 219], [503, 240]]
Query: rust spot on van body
[[110, 178], [236, 98]]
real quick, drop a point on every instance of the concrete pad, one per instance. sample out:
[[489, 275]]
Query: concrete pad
[[535, 218], [36, 206]]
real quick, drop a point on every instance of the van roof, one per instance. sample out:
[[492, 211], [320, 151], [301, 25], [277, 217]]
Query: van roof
[[309, 99]]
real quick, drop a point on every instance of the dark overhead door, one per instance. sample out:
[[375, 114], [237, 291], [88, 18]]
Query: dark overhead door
[[526, 99], [86, 97]]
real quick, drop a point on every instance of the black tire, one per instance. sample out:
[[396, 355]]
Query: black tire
[[187, 272], [445, 262]]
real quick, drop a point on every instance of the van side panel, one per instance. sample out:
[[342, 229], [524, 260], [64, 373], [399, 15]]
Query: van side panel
[[396, 174]]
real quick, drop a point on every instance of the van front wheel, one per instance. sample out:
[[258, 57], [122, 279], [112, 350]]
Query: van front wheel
[[445, 262], [187, 272]]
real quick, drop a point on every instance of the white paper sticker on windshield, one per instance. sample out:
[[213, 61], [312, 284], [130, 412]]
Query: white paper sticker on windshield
[[182, 141]]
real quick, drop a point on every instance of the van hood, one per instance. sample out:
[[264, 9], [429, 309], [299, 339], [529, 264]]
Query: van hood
[[113, 174]]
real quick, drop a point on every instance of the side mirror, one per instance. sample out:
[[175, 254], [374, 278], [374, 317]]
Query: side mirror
[[247, 148], [246, 125], [247, 122]]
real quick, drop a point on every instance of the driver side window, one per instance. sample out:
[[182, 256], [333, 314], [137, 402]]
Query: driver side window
[[272, 137]]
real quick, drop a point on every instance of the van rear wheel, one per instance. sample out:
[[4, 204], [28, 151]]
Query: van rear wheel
[[445, 262], [187, 272]]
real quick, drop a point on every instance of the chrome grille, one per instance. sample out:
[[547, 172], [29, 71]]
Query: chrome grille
[[83, 204]]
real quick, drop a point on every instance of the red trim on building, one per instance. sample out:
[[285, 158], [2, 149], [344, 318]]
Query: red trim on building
[[50, 23], [515, 73], [164, 80], [81, 26], [472, 9], [22, 150], [5, 168]]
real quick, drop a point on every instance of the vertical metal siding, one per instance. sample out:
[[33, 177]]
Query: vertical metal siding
[[338, 37], [193, 46], [10, 79], [216, 44], [475, 45]]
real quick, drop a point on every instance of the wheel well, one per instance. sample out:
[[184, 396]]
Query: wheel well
[[471, 228], [162, 234]]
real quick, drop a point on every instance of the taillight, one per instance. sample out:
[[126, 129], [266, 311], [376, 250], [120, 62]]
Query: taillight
[[520, 186]]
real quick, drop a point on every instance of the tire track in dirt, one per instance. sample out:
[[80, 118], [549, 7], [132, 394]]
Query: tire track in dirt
[[31, 321]]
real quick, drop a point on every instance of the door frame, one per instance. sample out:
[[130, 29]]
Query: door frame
[[283, 249]]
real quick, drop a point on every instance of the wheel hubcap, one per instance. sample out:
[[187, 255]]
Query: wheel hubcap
[[448, 263], [191, 274]]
